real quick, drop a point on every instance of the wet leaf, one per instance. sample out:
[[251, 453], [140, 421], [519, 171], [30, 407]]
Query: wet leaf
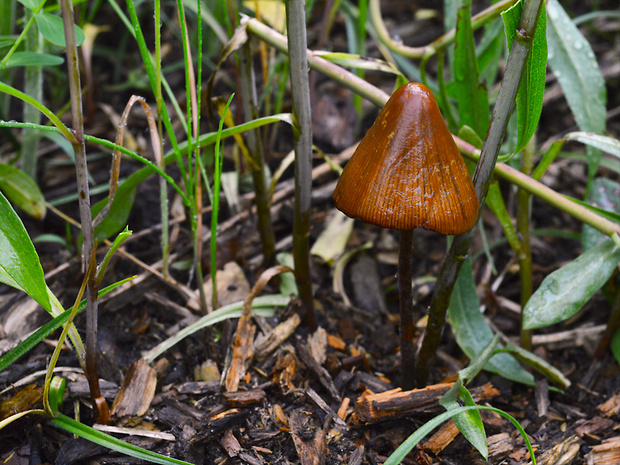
[[573, 62], [565, 291], [473, 333], [605, 194]]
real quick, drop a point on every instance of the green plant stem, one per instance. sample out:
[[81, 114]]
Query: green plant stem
[[34, 88], [81, 174], [407, 323], [482, 18], [524, 211], [302, 131], [543, 192], [335, 72], [482, 178], [250, 112]]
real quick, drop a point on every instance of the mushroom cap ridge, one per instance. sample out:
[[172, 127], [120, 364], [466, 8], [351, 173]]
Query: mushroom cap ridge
[[407, 170]]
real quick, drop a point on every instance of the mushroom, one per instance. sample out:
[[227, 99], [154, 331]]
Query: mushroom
[[407, 172]]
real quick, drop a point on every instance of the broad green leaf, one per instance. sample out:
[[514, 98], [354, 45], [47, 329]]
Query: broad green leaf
[[573, 62], [604, 194], [32, 5], [473, 333], [33, 59], [19, 264], [532, 86], [52, 29], [490, 51], [112, 443], [473, 99], [22, 191], [565, 291]]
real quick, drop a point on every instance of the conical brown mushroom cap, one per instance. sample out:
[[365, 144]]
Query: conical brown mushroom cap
[[407, 170]]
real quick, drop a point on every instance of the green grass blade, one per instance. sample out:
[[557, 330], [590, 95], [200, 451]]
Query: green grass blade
[[105, 440]]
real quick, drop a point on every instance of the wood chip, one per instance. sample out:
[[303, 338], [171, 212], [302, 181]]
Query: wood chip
[[242, 350], [266, 344], [610, 407], [442, 437], [607, 453], [230, 443], [371, 407], [499, 445], [244, 398], [137, 391], [309, 440], [321, 373]]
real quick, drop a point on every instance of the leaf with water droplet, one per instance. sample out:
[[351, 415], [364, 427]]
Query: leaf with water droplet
[[565, 291]]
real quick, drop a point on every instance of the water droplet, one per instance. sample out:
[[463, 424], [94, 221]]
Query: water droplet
[[578, 44]]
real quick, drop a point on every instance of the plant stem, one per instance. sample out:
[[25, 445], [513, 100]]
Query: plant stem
[[250, 112], [482, 18], [302, 131], [407, 324], [99, 405], [482, 178], [524, 211]]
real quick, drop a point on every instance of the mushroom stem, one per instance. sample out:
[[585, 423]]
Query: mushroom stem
[[407, 325]]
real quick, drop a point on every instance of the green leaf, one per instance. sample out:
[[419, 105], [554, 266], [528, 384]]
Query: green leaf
[[32, 5], [565, 291], [469, 423], [604, 194], [472, 98], [473, 333], [19, 264], [105, 440], [532, 86], [541, 365], [51, 27], [615, 346], [604, 143], [22, 191], [573, 62], [48, 328], [33, 59], [118, 215], [401, 452]]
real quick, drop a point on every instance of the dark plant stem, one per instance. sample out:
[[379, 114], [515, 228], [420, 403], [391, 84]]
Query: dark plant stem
[[302, 130], [407, 323], [482, 178], [524, 211], [612, 326], [99, 404], [250, 112]]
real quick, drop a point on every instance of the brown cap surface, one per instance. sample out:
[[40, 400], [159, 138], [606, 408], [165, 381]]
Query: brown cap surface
[[407, 170]]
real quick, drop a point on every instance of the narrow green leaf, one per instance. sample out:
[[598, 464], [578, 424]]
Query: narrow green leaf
[[565, 291], [532, 86], [22, 191], [573, 62], [19, 264], [401, 452], [52, 29], [549, 371], [473, 333], [32, 5], [48, 328], [604, 194], [473, 99], [33, 59], [615, 346], [105, 440]]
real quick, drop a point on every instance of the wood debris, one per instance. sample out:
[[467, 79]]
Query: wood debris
[[137, 391], [606, 453]]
